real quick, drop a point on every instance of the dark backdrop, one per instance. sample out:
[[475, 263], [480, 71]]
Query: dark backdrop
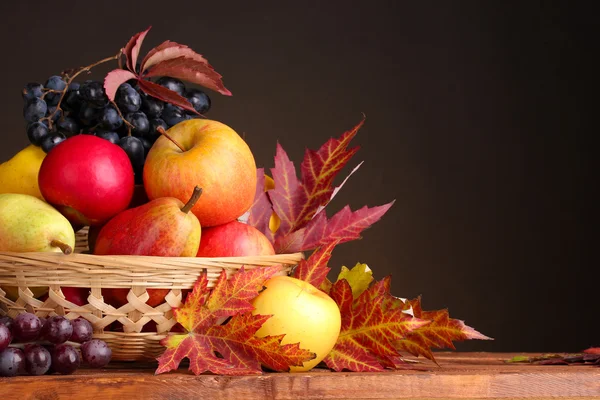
[[477, 124]]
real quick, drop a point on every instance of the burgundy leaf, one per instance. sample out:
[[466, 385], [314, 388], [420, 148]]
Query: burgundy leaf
[[132, 49], [114, 79], [288, 191], [169, 50], [341, 293], [164, 94], [261, 210], [315, 269], [191, 70]]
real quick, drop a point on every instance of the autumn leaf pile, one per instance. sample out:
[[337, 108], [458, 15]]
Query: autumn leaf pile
[[377, 327]]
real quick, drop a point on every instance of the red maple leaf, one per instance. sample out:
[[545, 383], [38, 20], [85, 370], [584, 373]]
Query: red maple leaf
[[167, 59], [230, 348]]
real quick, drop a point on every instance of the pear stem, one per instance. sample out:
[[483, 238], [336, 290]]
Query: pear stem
[[162, 131], [66, 249], [192, 201]]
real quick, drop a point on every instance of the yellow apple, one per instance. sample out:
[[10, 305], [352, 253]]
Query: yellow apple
[[303, 313]]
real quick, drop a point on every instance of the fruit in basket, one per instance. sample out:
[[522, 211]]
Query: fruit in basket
[[213, 156], [12, 292], [305, 314], [75, 295], [234, 239], [28, 224], [20, 173], [12, 362], [162, 227], [88, 179]]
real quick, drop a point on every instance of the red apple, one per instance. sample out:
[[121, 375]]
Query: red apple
[[88, 179], [234, 239], [76, 295], [118, 297], [212, 156]]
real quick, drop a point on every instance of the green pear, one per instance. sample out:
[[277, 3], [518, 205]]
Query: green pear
[[28, 224]]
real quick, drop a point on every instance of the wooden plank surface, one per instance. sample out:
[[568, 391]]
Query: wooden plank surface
[[459, 375]]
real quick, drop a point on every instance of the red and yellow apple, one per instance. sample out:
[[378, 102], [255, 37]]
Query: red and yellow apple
[[305, 314], [88, 179], [234, 239], [215, 158]]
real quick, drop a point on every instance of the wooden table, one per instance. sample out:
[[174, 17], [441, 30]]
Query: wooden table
[[460, 375]]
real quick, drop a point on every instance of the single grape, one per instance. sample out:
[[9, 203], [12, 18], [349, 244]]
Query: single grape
[[110, 119], [42, 321], [112, 137], [88, 115], [27, 327], [82, 330], [153, 107], [34, 110], [199, 100], [37, 359], [51, 141], [55, 82], [172, 84], [96, 353], [172, 114], [7, 321], [140, 123], [128, 99], [36, 132], [147, 144], [5, 337], [32, 90], [93, 93], [65, 359], [72, 101], [68, 126], [135, 151], [12, 362], [57, 329]]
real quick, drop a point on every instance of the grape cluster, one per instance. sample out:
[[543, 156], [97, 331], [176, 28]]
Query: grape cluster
[[51, 353], [132, 121]]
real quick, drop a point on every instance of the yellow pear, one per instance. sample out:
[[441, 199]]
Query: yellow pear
[[20, 173], [28, 224]]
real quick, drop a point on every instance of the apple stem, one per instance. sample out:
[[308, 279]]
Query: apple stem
[[66, 249], [162, 131], [192, 201]]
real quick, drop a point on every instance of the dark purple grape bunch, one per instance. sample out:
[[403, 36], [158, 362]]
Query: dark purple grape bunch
[[131, 122], [41, 346]]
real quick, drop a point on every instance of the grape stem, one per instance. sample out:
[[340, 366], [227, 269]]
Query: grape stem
[[87, 68], [162, 131], [129, 125]]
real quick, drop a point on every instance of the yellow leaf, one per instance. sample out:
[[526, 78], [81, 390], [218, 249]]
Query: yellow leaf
[[359, 278]]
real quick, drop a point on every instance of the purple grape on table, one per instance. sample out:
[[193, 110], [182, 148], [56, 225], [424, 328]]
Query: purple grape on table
[[173, 84], [128, 99], [36, 132], [57, 83], [199, 100], [93, 94], [172, 114], [68, 126], [57, 329], [12, 362], [112, 137], [140, 123], [82, 330], [34, 110], [26, 327], [65, 359], [152, 107], [5, 337], [32, 90], [110, 119], [37, 359], [96, 353], [51, 141]]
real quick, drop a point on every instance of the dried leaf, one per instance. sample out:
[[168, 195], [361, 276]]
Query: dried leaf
[[314, 270], [231, 348], [288, 193], [164, 94], [132, 49], [168, 50], [592, 350], [114, 79], [440, 333], [191, 70], [359, 278], [369, 329]]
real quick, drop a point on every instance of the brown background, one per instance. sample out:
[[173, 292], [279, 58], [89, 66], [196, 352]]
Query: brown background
[[478, 124]]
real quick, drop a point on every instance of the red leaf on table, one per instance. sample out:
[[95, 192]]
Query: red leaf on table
[[191, 70], [592, 350], [369, 330], [114, 79], [132, 49], [168, 50], [314, 270], [164, 94], [440, 333]]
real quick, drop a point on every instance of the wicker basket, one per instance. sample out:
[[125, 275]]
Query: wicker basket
[[122, 328]]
